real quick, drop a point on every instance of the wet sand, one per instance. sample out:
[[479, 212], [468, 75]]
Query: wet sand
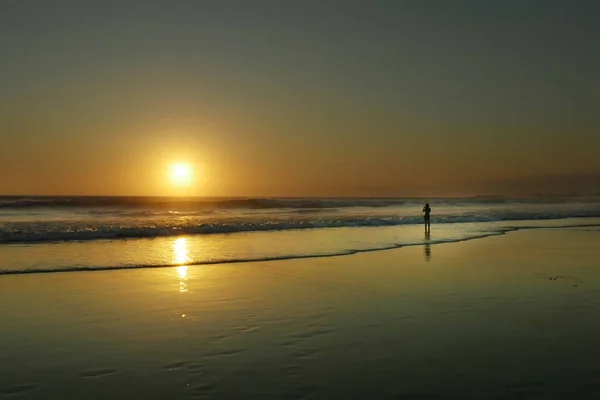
[[511, 316]]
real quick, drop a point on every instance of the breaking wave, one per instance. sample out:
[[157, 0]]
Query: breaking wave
[[62, 231]]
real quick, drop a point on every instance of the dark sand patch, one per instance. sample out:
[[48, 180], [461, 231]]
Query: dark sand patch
[[524, 385]]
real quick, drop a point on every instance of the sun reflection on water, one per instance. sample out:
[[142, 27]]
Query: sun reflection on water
[[183, 272], [181, 255], [181, 252]]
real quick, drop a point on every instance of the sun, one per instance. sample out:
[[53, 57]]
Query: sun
[[181, 174]]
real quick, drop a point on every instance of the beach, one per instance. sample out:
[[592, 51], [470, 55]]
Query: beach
[[299, 200], [508, 316]]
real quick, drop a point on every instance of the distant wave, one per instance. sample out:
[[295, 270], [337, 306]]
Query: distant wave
[[190, 203], [128, 213], [57, 232], [199, 204]]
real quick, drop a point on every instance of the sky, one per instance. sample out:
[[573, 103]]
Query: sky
[[300, 98]]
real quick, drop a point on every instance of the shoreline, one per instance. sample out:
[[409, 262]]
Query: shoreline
[[491, 231]]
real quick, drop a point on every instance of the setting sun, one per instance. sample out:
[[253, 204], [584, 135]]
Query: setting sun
[[181, 174]]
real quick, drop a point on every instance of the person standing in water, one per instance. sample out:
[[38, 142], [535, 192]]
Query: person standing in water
[[427, 211]]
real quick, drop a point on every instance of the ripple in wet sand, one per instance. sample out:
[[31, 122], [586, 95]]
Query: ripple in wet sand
[[219, 337], [291, 369], [177, 365], [193, 367], [222, 353], [304, 392], [306, 353], [97, 373], [16, 389], [312, 333], [201, 391], [200, 371], [247, 328]]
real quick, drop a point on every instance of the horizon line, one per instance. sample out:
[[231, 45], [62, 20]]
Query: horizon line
[[489, 195]]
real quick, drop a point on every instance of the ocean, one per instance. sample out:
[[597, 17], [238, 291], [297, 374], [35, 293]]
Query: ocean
[[59, 234], [498, 300]]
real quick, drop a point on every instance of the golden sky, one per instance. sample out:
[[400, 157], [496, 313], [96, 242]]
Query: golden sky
[[317, 98]]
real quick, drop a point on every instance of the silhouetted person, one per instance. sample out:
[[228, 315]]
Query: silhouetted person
[[427, 211]]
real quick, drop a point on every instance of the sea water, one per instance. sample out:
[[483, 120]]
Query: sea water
[[59, 234]]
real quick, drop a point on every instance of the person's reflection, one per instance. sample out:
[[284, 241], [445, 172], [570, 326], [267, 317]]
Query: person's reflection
[[427, 246]]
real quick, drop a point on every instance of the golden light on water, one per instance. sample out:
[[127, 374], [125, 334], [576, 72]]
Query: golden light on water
[[181, 255], [181, 252], [183, 272], [183, 287]]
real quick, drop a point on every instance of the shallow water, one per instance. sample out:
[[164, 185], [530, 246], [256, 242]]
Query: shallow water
[[189, 250]]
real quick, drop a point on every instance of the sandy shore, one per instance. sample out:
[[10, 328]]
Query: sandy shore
[[512, 316]]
